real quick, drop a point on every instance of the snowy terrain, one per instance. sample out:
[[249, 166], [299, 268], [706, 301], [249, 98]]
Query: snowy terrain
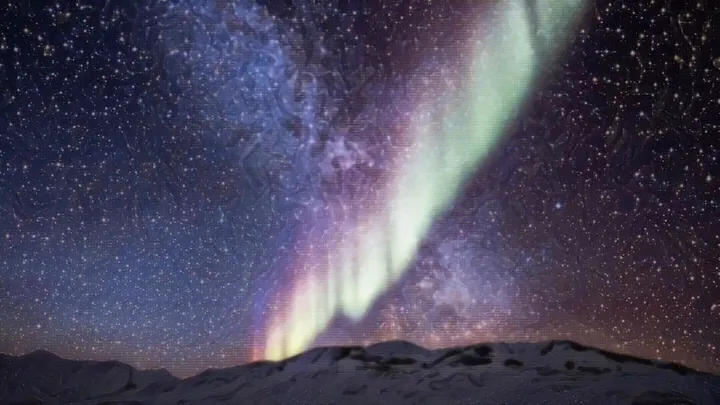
[[556, 372]]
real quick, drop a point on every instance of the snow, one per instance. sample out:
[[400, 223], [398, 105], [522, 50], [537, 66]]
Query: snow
[[394, 372]]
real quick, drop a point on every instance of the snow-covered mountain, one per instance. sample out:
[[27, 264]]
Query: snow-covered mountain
[[396, 372]]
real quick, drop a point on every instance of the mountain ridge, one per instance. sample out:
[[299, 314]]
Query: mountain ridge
[[554, 371]]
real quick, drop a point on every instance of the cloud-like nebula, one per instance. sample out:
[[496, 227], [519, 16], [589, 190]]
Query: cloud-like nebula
[[265, 92]]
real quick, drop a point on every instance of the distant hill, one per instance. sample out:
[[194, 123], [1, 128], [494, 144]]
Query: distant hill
[[395, 372]]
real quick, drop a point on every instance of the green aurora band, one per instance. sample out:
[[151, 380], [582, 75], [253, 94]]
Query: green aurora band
[[522, 39]]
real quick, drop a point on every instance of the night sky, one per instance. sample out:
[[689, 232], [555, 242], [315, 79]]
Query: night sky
[[160, 162]]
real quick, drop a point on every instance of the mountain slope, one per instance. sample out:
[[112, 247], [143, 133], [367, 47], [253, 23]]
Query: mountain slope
[[397, 372]]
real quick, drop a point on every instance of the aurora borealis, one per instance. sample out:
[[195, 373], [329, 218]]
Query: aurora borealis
[[190, 184], [426, 179]]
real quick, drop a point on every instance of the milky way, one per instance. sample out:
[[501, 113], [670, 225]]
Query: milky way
[[163, 167]]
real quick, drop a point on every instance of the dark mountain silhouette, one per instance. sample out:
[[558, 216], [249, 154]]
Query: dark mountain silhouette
[[395, 372]]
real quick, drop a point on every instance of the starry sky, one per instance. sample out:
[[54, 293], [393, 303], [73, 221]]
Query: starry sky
[[160, 162]]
